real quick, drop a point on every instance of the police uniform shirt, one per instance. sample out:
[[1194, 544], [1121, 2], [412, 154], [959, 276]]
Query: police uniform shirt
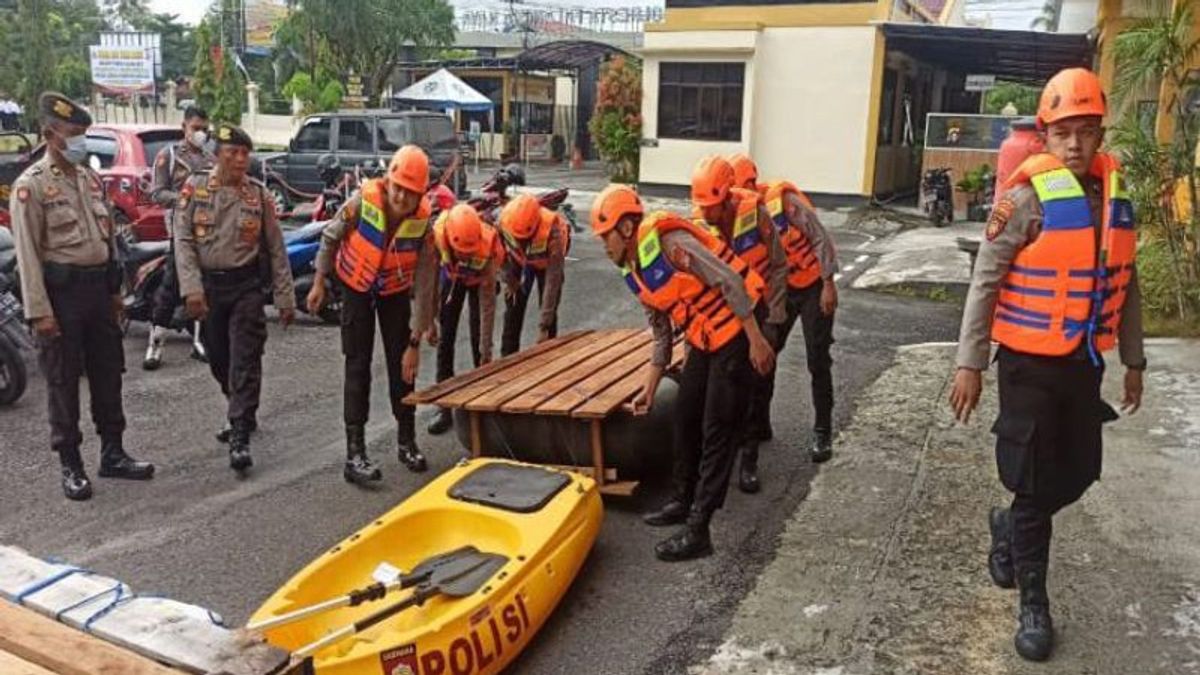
[[172, 167], [424, 292], [1016, 223], [556, 256], [60, 217], [225, 227]]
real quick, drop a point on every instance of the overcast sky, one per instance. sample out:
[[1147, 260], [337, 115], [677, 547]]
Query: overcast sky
[[1004, 13]]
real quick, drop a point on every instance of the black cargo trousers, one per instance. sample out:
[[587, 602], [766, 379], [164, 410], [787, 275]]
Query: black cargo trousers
[[710, 410], [360, 311], [89, 342], [234, 336], [1048, 442]]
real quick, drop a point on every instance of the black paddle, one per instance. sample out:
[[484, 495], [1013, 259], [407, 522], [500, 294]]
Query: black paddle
[[375, 591], [457, 578]]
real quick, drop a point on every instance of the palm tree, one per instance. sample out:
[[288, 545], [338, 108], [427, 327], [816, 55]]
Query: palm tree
[[1048, 19]]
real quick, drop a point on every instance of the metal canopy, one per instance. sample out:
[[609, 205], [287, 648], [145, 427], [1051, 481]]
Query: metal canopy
[[567, 55], [1014, 55]]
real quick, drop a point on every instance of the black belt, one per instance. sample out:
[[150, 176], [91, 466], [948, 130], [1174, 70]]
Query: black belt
[[231, 277], [58, 275]]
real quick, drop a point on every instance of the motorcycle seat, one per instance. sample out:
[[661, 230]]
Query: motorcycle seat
[[142, 251], [309, 232]]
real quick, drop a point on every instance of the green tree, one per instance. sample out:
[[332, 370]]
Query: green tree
[[178, 43], [1025, 98], [369, 36], [616, 124], [1161, 173], [216, 81], [36, 58], [1049, 16]]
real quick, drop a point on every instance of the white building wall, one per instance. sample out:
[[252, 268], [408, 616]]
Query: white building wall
[[806, 124]]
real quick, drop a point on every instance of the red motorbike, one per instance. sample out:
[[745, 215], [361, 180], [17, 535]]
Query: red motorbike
[[493, 195]]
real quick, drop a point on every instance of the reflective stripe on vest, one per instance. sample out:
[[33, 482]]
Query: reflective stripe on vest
[[460, 268], [746, 239], [803, 267], [368, 260], [698, 310], [1059, 289]]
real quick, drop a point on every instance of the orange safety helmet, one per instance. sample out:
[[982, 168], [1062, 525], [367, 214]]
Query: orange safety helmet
[[521, 216], [464, 229], [1074, 92], [711, 181], [611, 205], [744, 170], [409, 169]]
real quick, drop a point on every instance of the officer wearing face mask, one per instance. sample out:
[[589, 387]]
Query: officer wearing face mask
[[71, 285], [172, 167]]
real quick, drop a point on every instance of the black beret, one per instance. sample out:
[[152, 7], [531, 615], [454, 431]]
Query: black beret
[[227, 134], [54, 106]]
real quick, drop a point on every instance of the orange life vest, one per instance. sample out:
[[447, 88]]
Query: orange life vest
[[698, 310], [464, 269], [746, 239], [1060, 289], [372, 258], [803, 267], [535, 254]]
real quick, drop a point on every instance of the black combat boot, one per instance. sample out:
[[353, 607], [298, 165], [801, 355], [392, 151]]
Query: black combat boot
[[239, 445], [689, 543], [410, 455], [358, 470], [673, 512], [748, 470], [223, 434], [822, 448], [1035, 630], [441, 422], [115, 463], [75, 483], [1000, 561]]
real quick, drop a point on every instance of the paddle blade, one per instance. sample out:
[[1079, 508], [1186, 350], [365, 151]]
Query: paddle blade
[[427, 566], [467, 576]]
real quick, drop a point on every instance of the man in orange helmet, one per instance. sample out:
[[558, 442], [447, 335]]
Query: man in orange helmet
[[811, 298], [687, 277], [738, 217], [382, 249], [471, 254], [536, 240], [1055, 285]]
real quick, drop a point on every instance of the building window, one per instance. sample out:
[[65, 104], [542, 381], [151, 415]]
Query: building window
[[701, 101]]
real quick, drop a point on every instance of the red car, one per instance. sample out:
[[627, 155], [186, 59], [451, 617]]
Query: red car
[[123, 155]]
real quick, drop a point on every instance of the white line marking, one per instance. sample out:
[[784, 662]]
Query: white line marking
[[838, 276], [572, 259], [861, 258], [870, 240], [848, 268]]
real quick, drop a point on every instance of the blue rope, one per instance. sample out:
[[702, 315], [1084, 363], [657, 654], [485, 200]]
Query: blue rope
[[47, 582], [118, 590]]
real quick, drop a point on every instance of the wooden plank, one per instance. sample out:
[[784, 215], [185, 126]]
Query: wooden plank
[[623, 488], [580, 392], [463, 396], [67, 651], [579, 350], [604, 403], [431, 394], [529, 401], [10, 664]]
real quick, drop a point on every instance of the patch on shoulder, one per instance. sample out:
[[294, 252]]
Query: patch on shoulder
[[23, 194], [1001, 214]]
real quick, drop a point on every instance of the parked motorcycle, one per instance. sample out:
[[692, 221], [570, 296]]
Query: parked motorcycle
[[938, 196], [493, 195], [15, 341], [143, 268]]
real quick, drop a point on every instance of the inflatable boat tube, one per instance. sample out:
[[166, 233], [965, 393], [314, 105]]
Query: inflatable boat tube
[[639, 448]]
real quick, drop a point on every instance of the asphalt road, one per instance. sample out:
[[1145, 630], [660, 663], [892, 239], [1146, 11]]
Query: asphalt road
[[199, 534]]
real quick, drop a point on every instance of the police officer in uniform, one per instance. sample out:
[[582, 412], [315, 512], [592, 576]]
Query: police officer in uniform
[[471, 255], [70, 282], [811, 298], [172, 166], [738, 217], [381, 247], [536, 240], [689, 279], [1055, 284], [226, 240]]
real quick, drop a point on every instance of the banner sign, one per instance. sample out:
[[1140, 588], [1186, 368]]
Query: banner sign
[[123, 70]]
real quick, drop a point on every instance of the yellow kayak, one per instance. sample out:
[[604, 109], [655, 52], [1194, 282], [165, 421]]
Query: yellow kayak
[[530, 529]]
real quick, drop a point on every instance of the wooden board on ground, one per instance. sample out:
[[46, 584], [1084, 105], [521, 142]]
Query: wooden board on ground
[[64, 650], [11, 664], [459, 381], [581, 350]]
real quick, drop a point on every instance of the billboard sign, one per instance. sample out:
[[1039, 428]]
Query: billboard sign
[[123, 70]]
